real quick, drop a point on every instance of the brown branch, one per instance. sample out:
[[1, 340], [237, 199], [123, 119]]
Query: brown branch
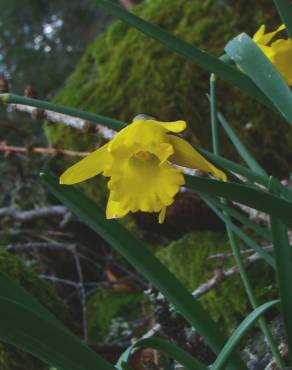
[[221, 276], [218, 278], [54, 117], [225, 256], [37, 150], [34, 213], [82, 293]]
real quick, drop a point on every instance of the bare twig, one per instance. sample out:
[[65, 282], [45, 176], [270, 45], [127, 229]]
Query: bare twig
[[37, 213], [37, 150], [82, 293], [255, 215], [225, 256], [218, 278], [34, 213], [56, 279], [38, 245], [221, 276], [53, 117]]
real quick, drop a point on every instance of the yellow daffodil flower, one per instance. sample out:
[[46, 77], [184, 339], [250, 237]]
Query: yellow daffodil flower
[[139, 161], [279, 52]]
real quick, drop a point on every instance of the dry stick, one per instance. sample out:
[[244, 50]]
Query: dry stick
[[254, 214], [82, 293], [78, 124], [34, 213], [218, 278], [221, 276], [37, 150], [40, 245], [225, 256], [74, 122]]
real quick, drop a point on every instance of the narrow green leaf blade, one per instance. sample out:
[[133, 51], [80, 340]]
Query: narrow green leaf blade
[[244, 52], [176, 353], [242, 235], [254, 198], [42, 104], [41, 337], [252, 176], [239, 333], [138, 255], [283, 258], [241, 149], [239, 216], [229, 165], [189, 52], [167, 348], [12, 291], [284, 8]]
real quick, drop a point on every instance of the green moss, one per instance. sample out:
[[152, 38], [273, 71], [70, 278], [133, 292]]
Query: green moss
[[188, 259], [27, 277], [124, 73], [105, 306]]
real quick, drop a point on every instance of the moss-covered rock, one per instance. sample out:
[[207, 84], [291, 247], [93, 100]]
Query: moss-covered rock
[[188, 259], [109, 314], [12, 266], [124, 73]]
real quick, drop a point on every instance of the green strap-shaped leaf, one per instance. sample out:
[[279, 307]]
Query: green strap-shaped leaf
[[46, 340], [41, 104], [12, 291], [241, 149], [254, 198], [239, 333], [189, 52], [228, 165], [241, 234], [176, 353], [137, 254], [284, 8], [165, 347], [239, 216], [244, 52], [252, 176], [283, 258]]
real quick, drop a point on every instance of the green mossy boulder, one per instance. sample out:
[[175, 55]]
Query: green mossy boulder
[[110, 314], [10, 357], [123, 73], [188, 259]]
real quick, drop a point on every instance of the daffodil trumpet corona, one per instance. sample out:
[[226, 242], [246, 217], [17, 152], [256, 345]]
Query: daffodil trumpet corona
[[139, 162], [278, 52]]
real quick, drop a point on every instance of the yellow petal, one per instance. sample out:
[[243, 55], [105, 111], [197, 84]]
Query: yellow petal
[[176, 126], [282, 58], [185, 155], [145, 185], [88, 167], [143, 132], [268, 51], [139, 133], [259, 34], [263, 39], [114, 209]]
